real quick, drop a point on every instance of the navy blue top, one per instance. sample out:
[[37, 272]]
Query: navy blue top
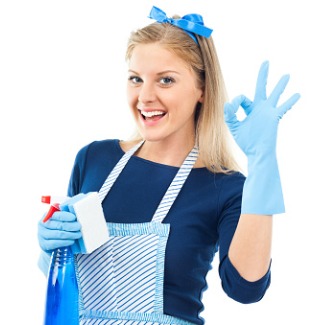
[[203, 220]]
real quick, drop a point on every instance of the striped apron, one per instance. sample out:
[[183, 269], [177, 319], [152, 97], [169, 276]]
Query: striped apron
[[121, 282]]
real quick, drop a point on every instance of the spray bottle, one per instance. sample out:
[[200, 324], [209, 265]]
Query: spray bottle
[[62, 294]]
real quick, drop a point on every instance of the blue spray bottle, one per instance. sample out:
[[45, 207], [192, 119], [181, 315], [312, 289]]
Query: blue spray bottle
[[62, 294]]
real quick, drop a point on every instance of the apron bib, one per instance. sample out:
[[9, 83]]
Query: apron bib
[[121, 282]]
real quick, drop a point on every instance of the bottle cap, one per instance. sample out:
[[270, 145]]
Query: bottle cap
[[46, 199], [50, 199]]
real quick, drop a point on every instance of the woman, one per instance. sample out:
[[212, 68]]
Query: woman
[[174, 196]]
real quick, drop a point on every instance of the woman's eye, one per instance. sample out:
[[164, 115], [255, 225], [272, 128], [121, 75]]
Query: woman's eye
[[166, 81], [134, 79]]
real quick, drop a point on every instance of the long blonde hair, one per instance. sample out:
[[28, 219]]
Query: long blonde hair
[[212, 135]]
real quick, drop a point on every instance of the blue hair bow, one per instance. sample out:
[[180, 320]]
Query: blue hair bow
[[191, 23]]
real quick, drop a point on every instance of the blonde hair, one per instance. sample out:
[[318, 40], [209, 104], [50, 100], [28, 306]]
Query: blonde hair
[[212, 135]]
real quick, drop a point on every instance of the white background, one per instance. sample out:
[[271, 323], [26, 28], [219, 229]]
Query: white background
[[62, 85]]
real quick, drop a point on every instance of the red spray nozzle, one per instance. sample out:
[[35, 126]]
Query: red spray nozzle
[[53, 208]]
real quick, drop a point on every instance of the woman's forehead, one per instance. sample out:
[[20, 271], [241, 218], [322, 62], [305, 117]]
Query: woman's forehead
[[158, 54]]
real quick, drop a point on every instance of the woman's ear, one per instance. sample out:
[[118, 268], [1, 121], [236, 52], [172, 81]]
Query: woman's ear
[[201, 99]]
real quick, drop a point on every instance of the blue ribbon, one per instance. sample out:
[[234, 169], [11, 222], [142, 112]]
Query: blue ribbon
[[191, 23]]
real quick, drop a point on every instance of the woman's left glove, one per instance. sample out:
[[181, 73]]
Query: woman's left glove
[[61, 230], [256, 136]]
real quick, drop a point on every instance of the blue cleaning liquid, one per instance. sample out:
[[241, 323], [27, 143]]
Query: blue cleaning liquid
[[62, 290]]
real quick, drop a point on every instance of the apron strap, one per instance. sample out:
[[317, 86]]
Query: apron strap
[[172, 191], [116, 171], [175, 187]]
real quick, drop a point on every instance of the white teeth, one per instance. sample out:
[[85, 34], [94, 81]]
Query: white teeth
[[152, 113]]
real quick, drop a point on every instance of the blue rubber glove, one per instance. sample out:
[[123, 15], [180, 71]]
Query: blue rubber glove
[[61, 230], [256, 135]]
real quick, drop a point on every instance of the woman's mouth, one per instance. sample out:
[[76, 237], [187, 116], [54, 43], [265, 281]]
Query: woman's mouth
[[152, 115]]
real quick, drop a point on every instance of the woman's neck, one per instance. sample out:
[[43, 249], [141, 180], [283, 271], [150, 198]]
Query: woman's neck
[[172, 154]]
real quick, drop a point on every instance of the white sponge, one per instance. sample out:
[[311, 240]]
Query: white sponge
[[89, 212]]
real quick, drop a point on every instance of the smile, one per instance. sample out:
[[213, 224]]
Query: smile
[[152, 115]]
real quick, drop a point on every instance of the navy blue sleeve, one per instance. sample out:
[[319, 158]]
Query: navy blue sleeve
[[238, 288], [234, 285]]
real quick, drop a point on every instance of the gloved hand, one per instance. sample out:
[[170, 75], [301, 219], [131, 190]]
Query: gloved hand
[[256, 135], [61, 230]]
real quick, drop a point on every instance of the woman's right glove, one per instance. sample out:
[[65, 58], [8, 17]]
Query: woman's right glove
[[61, 230]]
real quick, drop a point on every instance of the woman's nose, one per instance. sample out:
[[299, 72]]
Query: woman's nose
[[147, 93]]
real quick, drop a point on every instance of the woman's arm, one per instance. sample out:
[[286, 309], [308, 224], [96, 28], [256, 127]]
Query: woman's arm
[[256, 135], [250, 248]]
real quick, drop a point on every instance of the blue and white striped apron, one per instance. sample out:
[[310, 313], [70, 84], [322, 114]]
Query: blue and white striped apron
[[121, 282]]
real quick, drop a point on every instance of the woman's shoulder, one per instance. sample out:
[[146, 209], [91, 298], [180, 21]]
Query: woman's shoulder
[[118, 145], [224, 184], [221, 185], [232, 186], [232, 178], [99, 148], [101, 144]]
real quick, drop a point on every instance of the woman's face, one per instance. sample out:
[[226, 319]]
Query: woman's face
[[162, 94]]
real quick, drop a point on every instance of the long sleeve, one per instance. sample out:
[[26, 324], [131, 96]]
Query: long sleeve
[[234, 285]]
